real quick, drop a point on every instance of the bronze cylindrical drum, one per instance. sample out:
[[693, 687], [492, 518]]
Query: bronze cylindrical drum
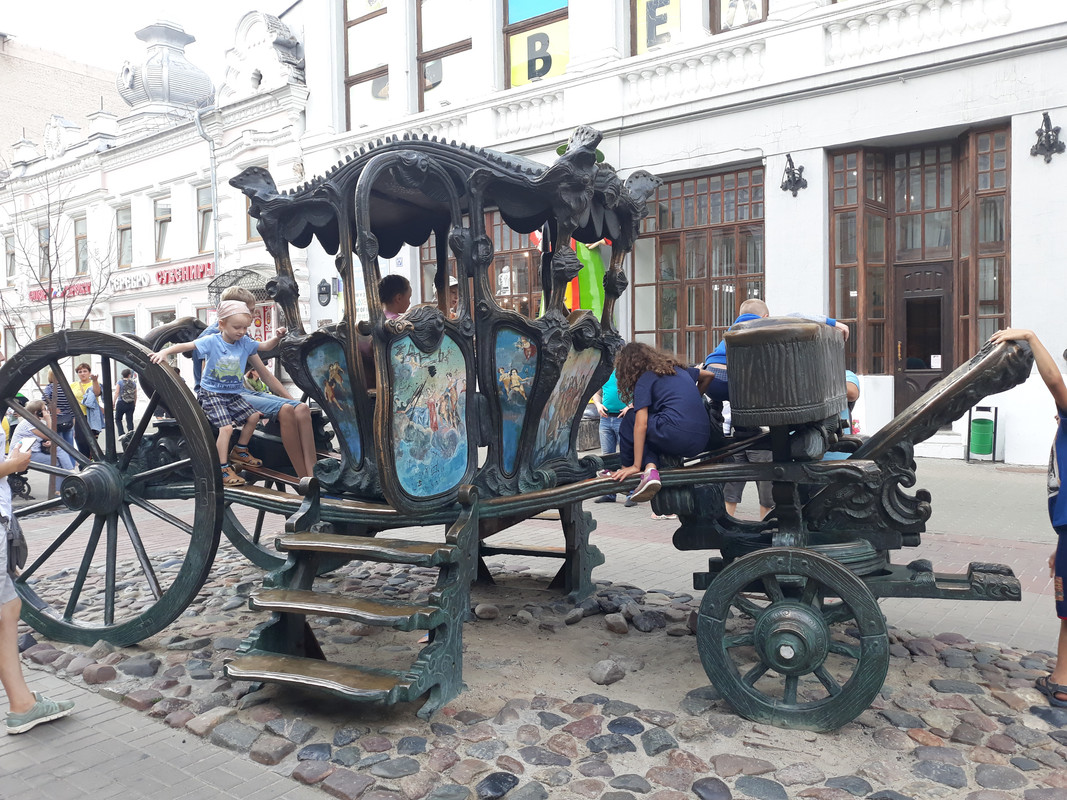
[[785, 371]]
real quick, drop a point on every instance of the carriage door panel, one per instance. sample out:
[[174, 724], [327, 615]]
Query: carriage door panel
[[924, 325]]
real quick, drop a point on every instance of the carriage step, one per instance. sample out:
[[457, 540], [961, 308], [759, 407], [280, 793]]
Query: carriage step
[[348, 681], [370, 612], [365, 548]]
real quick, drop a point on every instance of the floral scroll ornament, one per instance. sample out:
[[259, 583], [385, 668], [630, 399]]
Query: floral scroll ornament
[[793, 179], [1048, 140]]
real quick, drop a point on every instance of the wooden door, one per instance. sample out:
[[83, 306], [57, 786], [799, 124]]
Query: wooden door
[[923, 317]]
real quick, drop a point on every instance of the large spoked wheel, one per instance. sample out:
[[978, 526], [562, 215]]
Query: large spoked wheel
[[253, 531], [130, 539], [784, 657]]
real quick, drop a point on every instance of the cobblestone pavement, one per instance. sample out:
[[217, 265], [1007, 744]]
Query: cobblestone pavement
[[958, 717]]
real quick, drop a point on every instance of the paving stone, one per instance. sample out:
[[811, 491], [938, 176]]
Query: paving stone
[[586, 727], [966, 734], [311, 772], [550, 720], [657, 740], [395, 767], [495, 785], [509, 764], [1025, 736], [554, 776], [902, 719], [596, 769], [203, 724], [631, 783], [670, 777], [889, 794], [349, 756], [563, 744], [729, 764], [411, 746], [466, 770], [611, 743], [619, 708], [142, 699], [627, 726], [441, 759], [663, 719], [946, 755], [760, 788], [178, 719], [295, 730], [892, 739], [375, 744], [270, 749], [319, 751], [543, 757], [711, 789], [469, 717], [530, 791], [487, 750], [1045, 794], [947, 774], [1025, 764], [851, 784], [1056, 717], [346, 784], [991, 776], [95, 674], [234, 735], [700, 700], [578, 710]]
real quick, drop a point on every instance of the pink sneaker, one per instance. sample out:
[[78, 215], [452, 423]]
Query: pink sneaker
[[604, 473], [648, 486]]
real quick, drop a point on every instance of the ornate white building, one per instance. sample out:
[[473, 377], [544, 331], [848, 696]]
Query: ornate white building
[[880, 161]]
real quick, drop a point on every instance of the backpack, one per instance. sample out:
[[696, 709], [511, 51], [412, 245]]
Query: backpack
[[128, 392]]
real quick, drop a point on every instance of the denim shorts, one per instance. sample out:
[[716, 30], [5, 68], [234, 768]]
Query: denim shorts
[[268, 404]]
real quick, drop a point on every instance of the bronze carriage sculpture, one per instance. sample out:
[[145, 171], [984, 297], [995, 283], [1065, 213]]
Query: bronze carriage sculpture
[[414, 402]]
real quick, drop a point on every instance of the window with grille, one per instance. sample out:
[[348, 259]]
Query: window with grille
[[701, 254]]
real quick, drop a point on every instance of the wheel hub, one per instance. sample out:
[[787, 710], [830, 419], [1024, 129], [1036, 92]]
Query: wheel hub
[[792, 638], [97, 488]]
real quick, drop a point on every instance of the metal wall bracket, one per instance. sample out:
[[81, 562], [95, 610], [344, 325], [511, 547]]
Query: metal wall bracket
[[793, 179], [1048, 140]]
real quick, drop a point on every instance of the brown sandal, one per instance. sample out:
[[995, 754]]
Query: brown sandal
[[231, 478], [240, 456]]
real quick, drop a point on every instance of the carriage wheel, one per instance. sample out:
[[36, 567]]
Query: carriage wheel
[[253, 531], [783, 657], [153, 501]]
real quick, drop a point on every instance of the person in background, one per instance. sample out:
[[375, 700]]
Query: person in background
[[668, 416], [611, 409], [64, 416], [87, 393], [27, 709], [125, 400], [1053, 685], [395, 293], [40, 452], [254, 383]]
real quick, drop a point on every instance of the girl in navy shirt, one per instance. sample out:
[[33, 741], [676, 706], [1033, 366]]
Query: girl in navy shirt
[[668, 417]]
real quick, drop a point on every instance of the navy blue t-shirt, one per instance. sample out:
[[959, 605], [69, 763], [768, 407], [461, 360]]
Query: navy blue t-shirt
[[1057, 498], [675, 403]]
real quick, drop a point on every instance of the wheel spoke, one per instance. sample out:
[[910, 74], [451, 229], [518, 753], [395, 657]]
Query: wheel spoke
[[747, 606], [109, 568], [109, 409], [44, 505], [755, 673], [811, 596], [50, 434], [156, 472], [259, 526], [156, 511], [83, 570], [32, 568], [773, 588], [36, 466], [845, 649], [139, 549], [740, 640], [790, 696], [142, 426], [836, 613], [827, 680]]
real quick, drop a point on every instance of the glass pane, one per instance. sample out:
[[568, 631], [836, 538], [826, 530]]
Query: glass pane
[[875, 292], [735, 13], [845, 246], [990, 286], [722, 254], [946, 185], [965, 282], [645, 308], [365, 100], [876, 338], [206, 232], [125, 246], [988, 326], [122, 216], [540, 52], [751, 261], [522, 274], [125, 323], [909, 237], [930, 187], [694, 305], [203, 196], [657, 22], [990, 220], [938, 234], [846, 294], [161, 239], [723, 305], [364, 52], [519, 10], [875, 239], [696, 256], [668, 260], [669, 341], [965, 231], [751, 289], [83, 255], [900, 191], [446, 81], [668, 308], [360, 8], [644, 256], [922, 332], [696, 346], [444, 22]]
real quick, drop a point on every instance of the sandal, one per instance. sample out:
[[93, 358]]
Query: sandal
[[231, 478], [1045, 685], [240, 455]]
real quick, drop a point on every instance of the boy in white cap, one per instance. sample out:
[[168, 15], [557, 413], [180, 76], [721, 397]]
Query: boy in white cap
[[225, 355]]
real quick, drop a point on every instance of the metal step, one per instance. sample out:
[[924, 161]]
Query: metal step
[[365, 548], [370, 612], [351, 682]]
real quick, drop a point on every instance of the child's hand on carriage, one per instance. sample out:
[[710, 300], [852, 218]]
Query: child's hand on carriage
[[156, 358], [280, 332], [625, 472]]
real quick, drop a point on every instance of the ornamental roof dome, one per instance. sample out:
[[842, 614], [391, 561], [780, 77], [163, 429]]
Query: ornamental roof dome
[[166, 79]]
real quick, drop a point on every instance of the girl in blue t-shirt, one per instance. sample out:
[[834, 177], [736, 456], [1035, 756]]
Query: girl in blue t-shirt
[[222, 383], [668, 417]]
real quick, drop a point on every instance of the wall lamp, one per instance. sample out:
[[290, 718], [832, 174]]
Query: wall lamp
[[1048, 140], [793, 179]]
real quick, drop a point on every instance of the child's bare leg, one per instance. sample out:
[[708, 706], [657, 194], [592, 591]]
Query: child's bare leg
[[290, 432], [248, 429], [19, 696], [1059, 674], [307, 437], [222, 444]]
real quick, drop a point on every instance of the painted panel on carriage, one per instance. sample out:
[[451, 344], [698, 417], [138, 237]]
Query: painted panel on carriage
[[554, 429], [429, 416], [516, 368], [329, 371]]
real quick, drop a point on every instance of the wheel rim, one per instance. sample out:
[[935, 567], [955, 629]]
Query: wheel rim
[[137, 532], [783, 660]]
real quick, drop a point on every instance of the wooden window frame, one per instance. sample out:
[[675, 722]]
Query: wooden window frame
[[161, 226], [510, 30], [716, 21], [367, 75], [123, 230], [81, 247], [633, 24], [205, 238], [424, 58]]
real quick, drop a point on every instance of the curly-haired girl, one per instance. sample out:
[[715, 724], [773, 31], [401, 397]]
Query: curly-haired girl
[[668, 416]]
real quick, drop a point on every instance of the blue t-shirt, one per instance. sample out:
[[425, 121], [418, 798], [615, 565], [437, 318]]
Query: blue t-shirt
[[675, 402], [224, 363], [1057, 500], [718, 355], [609, 395]]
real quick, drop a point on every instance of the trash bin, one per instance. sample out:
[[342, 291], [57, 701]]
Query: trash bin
[[982, 437]]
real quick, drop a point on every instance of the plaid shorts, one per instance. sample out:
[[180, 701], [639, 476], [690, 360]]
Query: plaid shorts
[[224, 409]]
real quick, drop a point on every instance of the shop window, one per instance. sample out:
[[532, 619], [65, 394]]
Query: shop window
[[445, 60], [124, 323], [161, 318], [366, 70], [728, 15], [536, 40]]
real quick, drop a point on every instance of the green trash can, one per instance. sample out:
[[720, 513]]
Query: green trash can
[[982, 437]]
